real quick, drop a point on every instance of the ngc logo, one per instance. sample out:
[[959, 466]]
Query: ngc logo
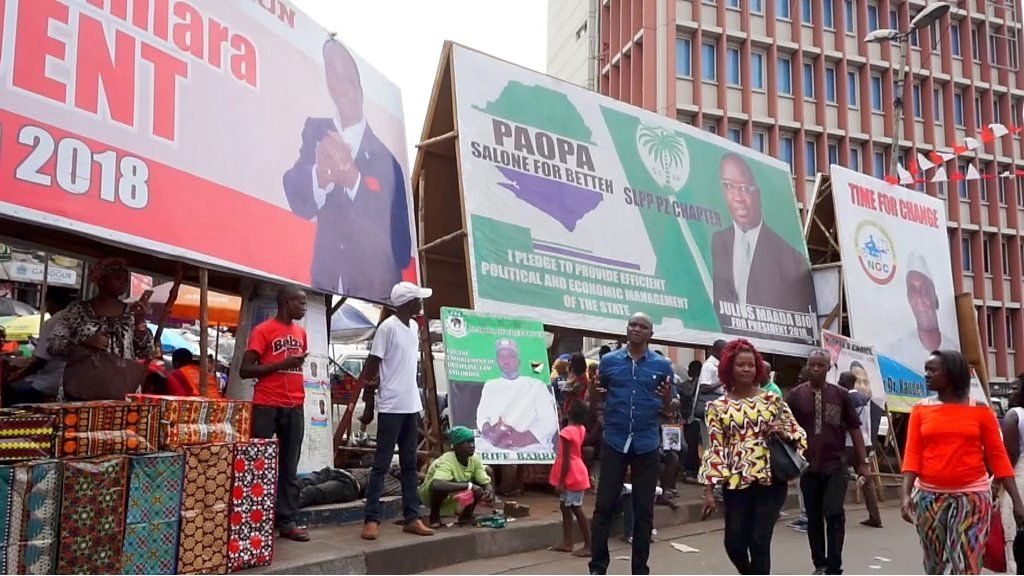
[[875, 252]]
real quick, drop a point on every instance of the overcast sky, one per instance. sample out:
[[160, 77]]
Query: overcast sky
[[403, 38]]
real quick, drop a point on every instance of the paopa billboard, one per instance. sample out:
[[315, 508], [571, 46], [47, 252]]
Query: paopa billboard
[[234, 133]]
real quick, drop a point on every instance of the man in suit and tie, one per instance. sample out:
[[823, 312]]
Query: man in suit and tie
[[353, 186], [752, 264]]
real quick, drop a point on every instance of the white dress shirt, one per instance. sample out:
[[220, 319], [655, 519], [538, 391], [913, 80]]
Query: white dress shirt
[[743, 246]]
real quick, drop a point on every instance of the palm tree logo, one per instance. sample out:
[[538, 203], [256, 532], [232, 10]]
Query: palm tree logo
[[664, 155]]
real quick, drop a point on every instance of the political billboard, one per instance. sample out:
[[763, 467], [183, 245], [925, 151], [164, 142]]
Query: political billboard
[[851, 356], [582, 210], [898, 278], [235, 134], [499, 387]]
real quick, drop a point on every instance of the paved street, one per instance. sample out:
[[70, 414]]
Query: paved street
[[896, 545]]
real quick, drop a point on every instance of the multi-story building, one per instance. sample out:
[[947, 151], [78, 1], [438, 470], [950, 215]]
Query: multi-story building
[[797, 80]]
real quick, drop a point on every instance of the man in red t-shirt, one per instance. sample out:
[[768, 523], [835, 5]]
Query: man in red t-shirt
[[274, 357]]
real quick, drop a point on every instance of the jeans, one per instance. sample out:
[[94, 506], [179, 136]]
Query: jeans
[[824, 496], [289, 425], [644, 473], [750, 516], [400, 430]]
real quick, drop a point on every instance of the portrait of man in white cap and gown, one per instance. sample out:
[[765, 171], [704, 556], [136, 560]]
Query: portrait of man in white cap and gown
[[914, 346], [516, 412]]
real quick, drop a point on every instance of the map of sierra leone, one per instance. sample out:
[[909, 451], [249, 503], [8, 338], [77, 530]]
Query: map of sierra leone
[[550, 111]]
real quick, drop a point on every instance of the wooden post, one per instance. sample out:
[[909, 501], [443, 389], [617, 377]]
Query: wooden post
[[204, 325], [42, 291]]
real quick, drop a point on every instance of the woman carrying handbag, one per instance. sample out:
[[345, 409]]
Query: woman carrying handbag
[[741, 426]]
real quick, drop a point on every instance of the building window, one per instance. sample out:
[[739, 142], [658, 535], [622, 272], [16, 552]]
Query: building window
[[829, 13], [735, 134], [986, 255], [991, 328], [808, 80], [872, 17], [810, 159], [954, 38], [1020, 204], [711, 127], [917, 100], [915, 38], [993, 53], [894, 19], [786, 150], [937, 104], [962, 184], [784, 75], [876, 93], [833, 153], [830, 84], [854, 158], [958, 109], [851, 16], [935, 38], [757, 70], [851, 89], [683, 59], [1002, 190], [708, 64], [983, 186], [757, 6], [1009, 330], [732, 66], [975, 47], [878, 165], [759, 142], [965, 253], [806, 14], [997, 116], [732, 4], [1004, 255], [782, 9]]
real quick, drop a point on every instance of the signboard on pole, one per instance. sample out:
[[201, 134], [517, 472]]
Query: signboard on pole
[[582, 210], [499, 386], [898, 278], [237, 134]]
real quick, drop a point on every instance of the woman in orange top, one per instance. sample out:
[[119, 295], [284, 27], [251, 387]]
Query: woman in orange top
[[952, 445]]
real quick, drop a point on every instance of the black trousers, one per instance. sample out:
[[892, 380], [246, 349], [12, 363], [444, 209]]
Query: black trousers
[[401, 430], [824, 497], [643, 470], [750, 517], [289, 425]]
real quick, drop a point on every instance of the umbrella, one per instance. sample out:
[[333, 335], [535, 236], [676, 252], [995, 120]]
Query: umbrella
[[21, 328], [349, 324], [12, 307], [171, 340], [223, 308]]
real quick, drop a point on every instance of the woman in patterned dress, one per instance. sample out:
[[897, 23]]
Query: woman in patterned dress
[[739, 426], [953, 449], [106, 322]]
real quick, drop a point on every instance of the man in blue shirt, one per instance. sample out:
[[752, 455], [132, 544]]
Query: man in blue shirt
[[638, 384]]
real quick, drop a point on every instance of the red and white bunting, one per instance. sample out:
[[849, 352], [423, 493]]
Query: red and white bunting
[[914, 171]]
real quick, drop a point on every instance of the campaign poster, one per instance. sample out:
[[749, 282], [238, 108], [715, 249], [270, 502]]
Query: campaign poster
[[499, 387], [583, 210], [848, 355], [898, 278], [235, 134]]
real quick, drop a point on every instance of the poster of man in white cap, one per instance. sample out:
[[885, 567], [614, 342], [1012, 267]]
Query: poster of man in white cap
[[926, 335], [899, 294], [496, 375]]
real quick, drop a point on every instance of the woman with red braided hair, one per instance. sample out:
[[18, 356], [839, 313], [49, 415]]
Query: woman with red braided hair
[[739, 426]]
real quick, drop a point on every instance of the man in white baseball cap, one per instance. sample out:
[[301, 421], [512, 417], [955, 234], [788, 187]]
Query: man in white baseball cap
[[914, 346], [394, 357]]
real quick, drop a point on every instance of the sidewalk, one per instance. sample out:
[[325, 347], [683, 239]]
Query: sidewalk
[[340, 550]]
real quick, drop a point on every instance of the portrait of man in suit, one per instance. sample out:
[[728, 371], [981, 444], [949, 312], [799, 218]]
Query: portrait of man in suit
[[347, 180], [751, 263]]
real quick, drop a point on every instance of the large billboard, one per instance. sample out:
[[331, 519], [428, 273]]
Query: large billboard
[[898, 277], [582, 210], [233, 133], [498, 386]]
